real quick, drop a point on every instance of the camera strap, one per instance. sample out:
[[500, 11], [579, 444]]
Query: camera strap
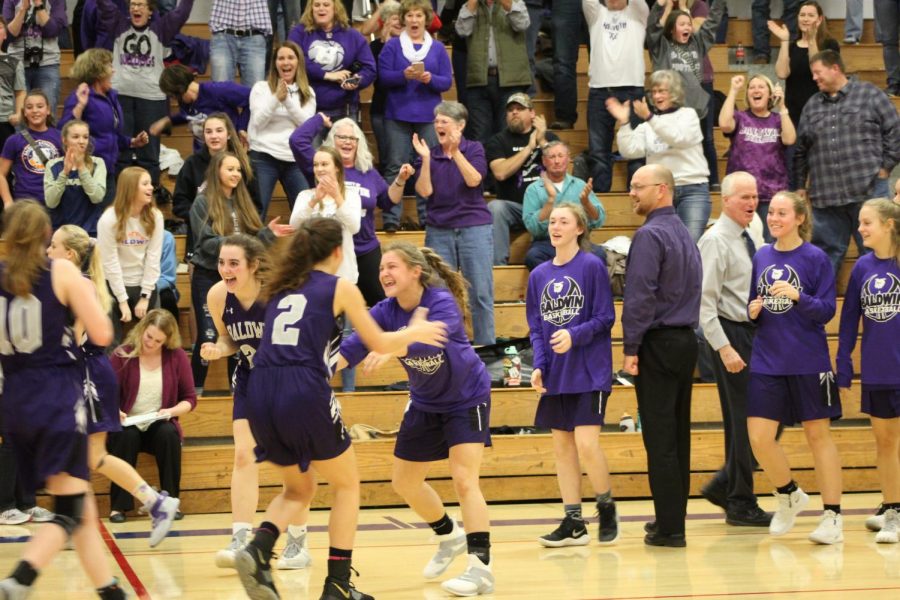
[[34, 146]]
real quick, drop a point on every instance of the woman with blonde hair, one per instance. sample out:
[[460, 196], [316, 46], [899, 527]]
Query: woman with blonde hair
[[75, 183]]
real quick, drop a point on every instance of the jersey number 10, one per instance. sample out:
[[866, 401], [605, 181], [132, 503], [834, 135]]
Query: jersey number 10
[[24, 335]]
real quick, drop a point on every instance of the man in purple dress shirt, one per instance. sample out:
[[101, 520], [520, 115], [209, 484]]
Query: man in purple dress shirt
[[661, 311]]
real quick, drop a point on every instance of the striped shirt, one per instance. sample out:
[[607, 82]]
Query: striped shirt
[[241, 15]]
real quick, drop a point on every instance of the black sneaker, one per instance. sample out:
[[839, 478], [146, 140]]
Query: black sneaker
[[667, 540], [336, 589], [571, 532], [255, 574], [650, 527], [715, 494], [608, 517], [752, 516], [391, 227]]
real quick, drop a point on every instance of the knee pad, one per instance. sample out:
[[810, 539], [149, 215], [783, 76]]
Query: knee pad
[[68, 511]]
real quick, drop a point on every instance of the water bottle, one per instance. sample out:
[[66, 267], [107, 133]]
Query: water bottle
[[638, 422], [626, 423], [512, 367], [739, 54]]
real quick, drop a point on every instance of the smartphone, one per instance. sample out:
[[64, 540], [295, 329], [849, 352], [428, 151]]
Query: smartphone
[[353, 80], [419, 67]]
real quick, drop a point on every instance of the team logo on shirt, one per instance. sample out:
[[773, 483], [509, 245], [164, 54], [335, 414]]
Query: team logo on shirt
[[880, 297], [771, 274], [328, 54], [561, 301], [30, 159], [427, 365]]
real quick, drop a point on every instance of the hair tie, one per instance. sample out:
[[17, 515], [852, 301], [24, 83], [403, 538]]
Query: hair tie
[[93, 242]]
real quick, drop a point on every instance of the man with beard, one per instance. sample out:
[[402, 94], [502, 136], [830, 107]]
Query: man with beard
[[514, 156]]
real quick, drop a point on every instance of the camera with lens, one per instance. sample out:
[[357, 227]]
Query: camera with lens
[[33, 55]]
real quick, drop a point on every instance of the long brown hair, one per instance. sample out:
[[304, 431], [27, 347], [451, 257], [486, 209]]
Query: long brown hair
[[159, 318], [822, 32], [233, 144], [254, 253], [435, 272], [126, 190], [88, 159], [338, 165], [26, 228], [887, 210], [220, 219], [313, 242], [300, 77], [87, 258], [584, 238]]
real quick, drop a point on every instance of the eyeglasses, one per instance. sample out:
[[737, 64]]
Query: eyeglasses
[[346, 138], [636, 187]]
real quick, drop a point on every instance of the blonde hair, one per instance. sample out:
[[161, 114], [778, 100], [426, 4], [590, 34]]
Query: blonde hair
[[672, 80], [92, 65], [159, 318], [233, 144], [126, 190], [87, 258], [88, 159], [340, 16], [26, 227], [584, 238], [801, 208], [300, 77], [220, 219], [887, 210]]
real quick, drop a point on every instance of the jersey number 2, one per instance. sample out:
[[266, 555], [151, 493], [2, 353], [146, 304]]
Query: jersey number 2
[[282, 332], [24, 317]]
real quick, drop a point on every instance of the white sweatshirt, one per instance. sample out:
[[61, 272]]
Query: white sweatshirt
[[135, 260], [349, 214], [617, 43], [272, 122], [673, 140]]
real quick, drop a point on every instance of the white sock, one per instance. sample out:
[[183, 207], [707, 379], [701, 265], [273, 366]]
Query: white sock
[[296, 530], [146, 494], [235, 527]]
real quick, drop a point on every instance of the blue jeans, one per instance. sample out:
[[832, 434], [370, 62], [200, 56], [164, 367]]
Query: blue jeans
[[853, 25], [400, 150], [45, 78], [834, 225], [887, 21], [290, 12], [760, 14], [542, 250], [507, 215], [693, 206], [568, 32], [487, 109], [465, 249], [601, 132], [268, 170], [138, 114], [228, 51]]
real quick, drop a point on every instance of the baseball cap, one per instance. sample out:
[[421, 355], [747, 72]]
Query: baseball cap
[[520, 98]]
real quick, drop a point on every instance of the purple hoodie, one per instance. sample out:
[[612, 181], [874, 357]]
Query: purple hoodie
[[103, 114]]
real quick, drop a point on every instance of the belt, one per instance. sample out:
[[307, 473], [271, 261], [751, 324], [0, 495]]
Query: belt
[[243, 32], [492, 72]]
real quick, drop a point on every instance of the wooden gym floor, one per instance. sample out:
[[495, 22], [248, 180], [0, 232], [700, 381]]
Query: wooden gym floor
[[393, 546]]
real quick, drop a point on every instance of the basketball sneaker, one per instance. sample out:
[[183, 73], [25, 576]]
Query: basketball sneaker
[[10, 589], [608, 518], [225, 557], [789, 506], [336, 589], [889, 532], [255, 574], [40, 515], [295, 555], [14, 516], [476, 579], [162, 512], [830, 529], [450, 546], [571, 532], [876, 521]]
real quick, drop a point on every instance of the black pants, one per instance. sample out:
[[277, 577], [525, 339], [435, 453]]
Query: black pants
[[162, 441], [12, 494], [134, 296], [665, 378], [368, 283]]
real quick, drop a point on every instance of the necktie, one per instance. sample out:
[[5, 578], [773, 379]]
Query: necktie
[[748, 242]]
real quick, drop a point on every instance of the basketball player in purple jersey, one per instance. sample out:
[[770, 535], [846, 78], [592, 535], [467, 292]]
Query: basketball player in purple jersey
[[449, 411], [43, 407], [101, 388], [792, 297], [294, 417], [570, 315], [873, 293], [239, 318]]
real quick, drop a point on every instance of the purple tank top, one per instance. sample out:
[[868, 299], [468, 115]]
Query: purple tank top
[[245, 326], [301, 329]]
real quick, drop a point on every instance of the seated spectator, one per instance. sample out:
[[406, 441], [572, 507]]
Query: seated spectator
[[75, 184], [415, 70], [669, 136], [556, 187], [338, 59], [497, 61], [154, 377], [239, 30], [458, 226], [130, 235], [198, 100], [34, 27], [139, 46], [759, 136], [12, 89], [515, 158], [96, 103], [277, 106], [27, 153], [166, 286]]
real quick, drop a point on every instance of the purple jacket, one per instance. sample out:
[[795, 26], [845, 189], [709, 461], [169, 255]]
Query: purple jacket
[[413, 101], [93, 33], [103, 114]]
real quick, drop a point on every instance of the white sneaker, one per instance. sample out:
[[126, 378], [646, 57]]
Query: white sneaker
[[163, 512], [889, 533], [450, 546], [789, 506], [10, 589], [40, 515], [295, 555], [225, 558], [830, 529], [476, 579], [876, 521], [14, 516]]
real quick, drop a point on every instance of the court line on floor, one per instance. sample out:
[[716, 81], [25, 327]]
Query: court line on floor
[[123, 563], [738, 594]]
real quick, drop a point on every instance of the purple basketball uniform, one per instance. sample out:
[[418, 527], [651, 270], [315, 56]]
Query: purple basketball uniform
[[295, 417], [43, 407], [101, 390], [245, 327]]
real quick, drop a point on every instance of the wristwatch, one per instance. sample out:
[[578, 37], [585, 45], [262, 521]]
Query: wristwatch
[[145, 295]]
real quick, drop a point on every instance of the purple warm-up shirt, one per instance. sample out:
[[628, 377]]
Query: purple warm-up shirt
[[452, 203], [790, 336], [407, 100], [576, 297], [756, 148], [873, 293], [103, 114], [27, 167]]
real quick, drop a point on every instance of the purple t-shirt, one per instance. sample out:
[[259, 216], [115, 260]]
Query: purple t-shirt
[[27, 167], [440, 379], [576, 297], [756, 148], [873, 293], [453, 203], [373, 191], [790, 337]]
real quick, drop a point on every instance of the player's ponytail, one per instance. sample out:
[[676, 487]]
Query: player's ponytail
[[312, 243], [87, 258]]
